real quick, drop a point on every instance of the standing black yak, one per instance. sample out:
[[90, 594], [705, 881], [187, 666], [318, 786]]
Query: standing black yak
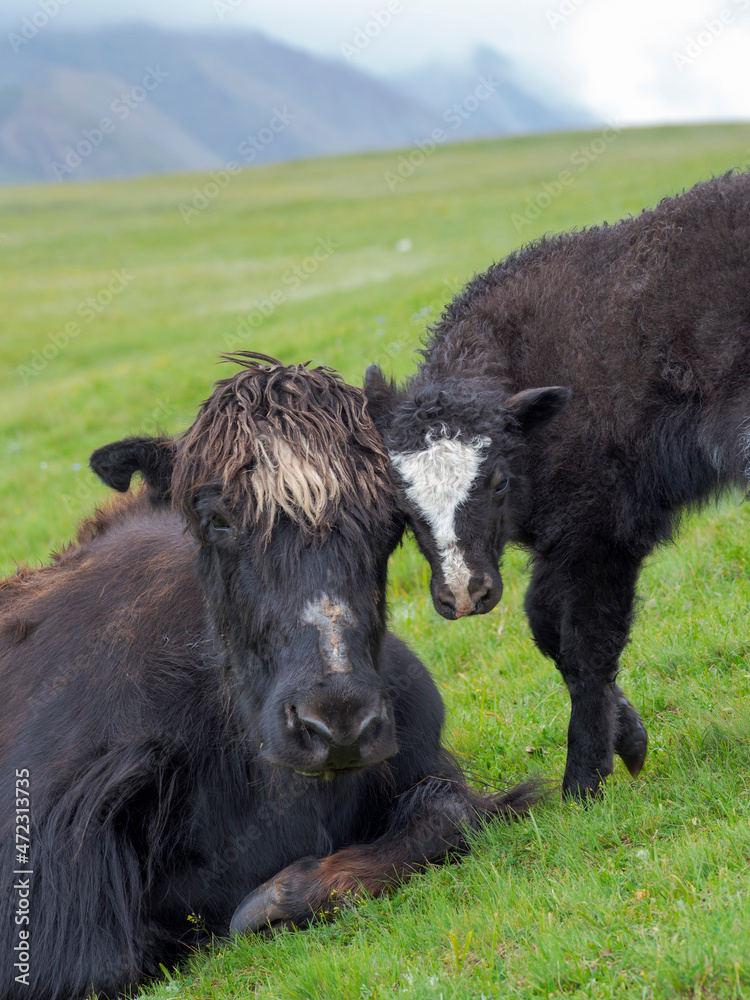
[[645, 327], [189, 717]]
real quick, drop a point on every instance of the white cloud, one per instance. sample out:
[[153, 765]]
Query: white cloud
[[672, 60]]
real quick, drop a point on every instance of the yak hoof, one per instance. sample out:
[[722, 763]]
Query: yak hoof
[[631, 744], [582, 783], [258, 910], [632, 748], [585, 792], [288, 899]]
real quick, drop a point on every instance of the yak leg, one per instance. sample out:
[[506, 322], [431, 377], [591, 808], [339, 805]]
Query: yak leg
[[429, 824], [631, 738], [580, 614]]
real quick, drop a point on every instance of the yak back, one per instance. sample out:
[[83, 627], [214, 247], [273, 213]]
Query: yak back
[[96, 647], [657, 303]]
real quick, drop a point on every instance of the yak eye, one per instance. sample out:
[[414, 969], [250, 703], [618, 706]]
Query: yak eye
[[219, 522], [501, 487]]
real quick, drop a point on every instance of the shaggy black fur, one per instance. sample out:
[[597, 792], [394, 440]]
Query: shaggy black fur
[[146, 678], [647, 322]]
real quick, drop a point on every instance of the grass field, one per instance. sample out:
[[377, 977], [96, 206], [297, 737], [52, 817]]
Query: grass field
[[114, 310]]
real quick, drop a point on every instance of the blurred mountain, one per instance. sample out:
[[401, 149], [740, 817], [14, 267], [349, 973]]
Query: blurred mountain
[[136, 100], [510, 109]]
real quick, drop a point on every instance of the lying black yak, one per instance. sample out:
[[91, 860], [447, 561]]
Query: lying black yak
[[635, 338], [214, 721]]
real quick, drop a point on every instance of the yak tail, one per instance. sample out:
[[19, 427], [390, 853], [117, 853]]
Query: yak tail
[[515, 802]]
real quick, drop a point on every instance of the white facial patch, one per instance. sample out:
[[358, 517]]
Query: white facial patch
[[330, 618], [438, 480]]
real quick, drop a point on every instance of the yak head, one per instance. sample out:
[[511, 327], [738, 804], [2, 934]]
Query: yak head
[[284, 483], [458, 453]]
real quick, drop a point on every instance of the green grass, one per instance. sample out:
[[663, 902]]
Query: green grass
[[645, 894]]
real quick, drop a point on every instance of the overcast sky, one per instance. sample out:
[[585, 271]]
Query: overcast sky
[[630, 60]]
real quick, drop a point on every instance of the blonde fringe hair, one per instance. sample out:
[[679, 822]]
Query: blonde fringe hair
[[291, 439]]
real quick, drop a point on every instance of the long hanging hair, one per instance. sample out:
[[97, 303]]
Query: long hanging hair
[[285, 438]]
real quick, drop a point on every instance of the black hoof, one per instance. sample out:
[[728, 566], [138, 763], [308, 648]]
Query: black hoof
[[631, 744], [259, 910], [583, 790], [282, 901], [632, 748]]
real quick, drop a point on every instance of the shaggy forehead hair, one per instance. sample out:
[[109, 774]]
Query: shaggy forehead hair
[[274, 438]]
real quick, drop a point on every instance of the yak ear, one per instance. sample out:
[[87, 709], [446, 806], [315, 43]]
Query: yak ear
[[382, 397], [534, 408], [153, 457]]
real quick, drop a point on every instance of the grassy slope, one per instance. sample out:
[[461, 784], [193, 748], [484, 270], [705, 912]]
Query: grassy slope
[[645, 895]]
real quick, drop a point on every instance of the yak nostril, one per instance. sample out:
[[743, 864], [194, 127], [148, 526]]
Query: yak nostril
[[337, 734], [316, 725], [352, 739], [447, 601], [479, 587], [368, 723]]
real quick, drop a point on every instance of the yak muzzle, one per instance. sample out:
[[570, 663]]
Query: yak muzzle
[[480, 595], [325, 737]]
